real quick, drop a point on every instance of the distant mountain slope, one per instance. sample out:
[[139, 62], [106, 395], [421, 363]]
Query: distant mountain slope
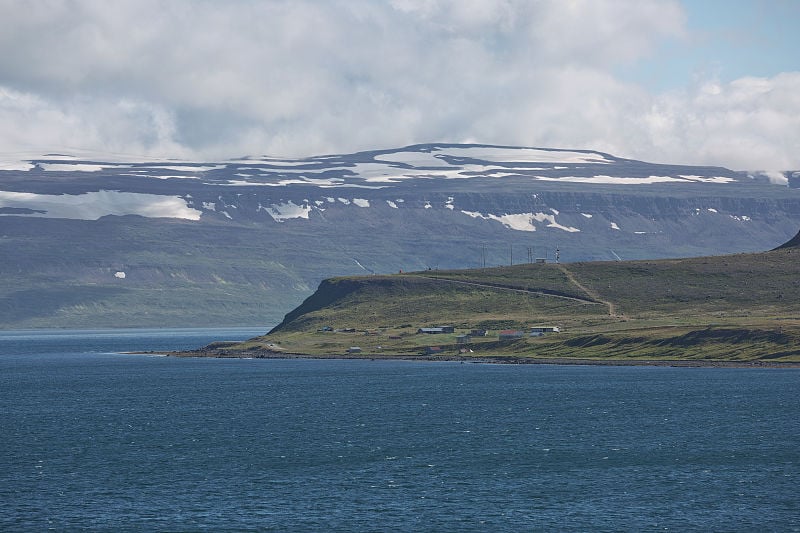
[[794, 242], [88, 241], [738, 307]]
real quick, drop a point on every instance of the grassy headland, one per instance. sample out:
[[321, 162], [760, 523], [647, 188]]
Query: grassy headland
[[742, 308]]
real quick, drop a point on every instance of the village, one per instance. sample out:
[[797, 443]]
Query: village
[[453, 340]]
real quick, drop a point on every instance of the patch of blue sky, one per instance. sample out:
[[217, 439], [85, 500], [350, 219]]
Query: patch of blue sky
[[725, 40]]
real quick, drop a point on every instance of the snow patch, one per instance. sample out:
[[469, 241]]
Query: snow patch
[[72, 167], [414, 159], [587, 215], [186, 168], [498, 174], [285, 211], [272, 161], [551, 220], [613, 180], [524, 155], [361, 202], [518, 222], [708, 179], [474, 214], [522, 221], [119, 274], [614, 226], [16, 165], [321, 182], [163, 176], [392, 204], [345, 201]]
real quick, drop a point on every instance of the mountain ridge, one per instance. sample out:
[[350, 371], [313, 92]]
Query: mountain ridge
[[84, 244], [735, 308]]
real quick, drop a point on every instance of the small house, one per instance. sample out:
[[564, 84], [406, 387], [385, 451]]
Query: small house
[[354, 349], [511, 334], [478, 333], [448, 329], [463, 339], [430, 331], [541, 330], [433, 350]]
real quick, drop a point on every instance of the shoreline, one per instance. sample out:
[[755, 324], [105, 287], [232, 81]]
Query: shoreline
[[483, 359]]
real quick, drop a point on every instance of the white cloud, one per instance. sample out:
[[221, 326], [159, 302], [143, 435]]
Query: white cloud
[[93, 205], [749, 123], [206, 80]]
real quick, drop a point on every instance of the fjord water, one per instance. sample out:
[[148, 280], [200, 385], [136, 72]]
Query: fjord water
[[105, 441]]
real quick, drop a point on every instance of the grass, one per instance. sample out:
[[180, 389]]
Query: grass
[[743, 307]]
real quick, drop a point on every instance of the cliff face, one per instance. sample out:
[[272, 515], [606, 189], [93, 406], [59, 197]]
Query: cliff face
[[243, 242]]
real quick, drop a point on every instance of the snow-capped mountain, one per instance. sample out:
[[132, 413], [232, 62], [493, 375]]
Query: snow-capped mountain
[[86, 237]]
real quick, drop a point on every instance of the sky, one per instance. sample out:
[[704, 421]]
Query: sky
[[708, 82]]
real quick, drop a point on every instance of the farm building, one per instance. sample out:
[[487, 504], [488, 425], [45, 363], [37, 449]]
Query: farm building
[[430, 331], [511, 334], [541, 330]]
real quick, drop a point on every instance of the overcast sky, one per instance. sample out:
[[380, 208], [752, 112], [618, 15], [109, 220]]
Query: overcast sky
[[697, 82]]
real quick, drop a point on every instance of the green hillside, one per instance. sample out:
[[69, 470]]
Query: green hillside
[[743, 307]]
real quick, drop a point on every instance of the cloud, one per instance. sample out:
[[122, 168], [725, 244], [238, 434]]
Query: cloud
[[209, 80], [93, 205], [749, 123]]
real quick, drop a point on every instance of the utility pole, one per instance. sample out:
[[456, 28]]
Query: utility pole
[[511, 247]]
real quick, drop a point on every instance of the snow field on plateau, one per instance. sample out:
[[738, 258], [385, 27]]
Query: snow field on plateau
[[365, 168], [417, 166]]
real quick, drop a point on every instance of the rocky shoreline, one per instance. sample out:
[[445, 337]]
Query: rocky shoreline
[[485, 359]]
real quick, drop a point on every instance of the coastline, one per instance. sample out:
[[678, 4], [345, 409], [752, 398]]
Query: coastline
[[483, 359]]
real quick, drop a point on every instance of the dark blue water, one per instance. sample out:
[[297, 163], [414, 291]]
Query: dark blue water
[[92, 440]]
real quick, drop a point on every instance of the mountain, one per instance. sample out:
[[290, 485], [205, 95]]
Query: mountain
[[732, 308], [91, 241], [794, 242]]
